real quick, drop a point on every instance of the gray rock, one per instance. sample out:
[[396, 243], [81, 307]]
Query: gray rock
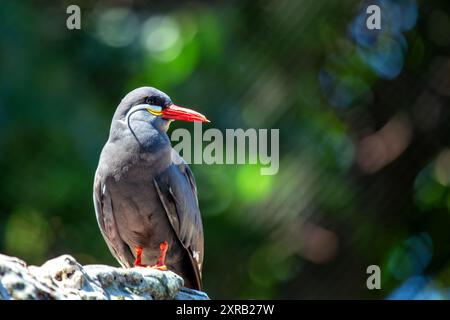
[[63, 278]]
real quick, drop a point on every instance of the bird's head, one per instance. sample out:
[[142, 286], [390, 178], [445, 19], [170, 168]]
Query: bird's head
[[154, 105]]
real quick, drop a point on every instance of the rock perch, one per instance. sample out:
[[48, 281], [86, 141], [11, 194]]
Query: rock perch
[[63, 278]]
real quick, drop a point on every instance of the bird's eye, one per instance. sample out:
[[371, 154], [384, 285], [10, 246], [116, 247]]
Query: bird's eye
[[150, 100]]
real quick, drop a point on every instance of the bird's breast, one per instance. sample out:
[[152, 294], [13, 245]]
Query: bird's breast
[[140, 216]]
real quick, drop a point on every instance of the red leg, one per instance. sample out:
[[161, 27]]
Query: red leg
[[138, 261], [161, 263]]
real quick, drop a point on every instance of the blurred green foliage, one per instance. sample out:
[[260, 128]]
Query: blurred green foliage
[[358, 184]]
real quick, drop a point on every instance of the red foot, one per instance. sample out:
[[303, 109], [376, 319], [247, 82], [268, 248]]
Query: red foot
[[160, 264], [138, 261]]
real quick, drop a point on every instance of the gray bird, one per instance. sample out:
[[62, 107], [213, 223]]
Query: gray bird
[[145, 195]]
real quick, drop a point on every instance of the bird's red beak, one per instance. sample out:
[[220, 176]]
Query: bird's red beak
[[174, 112]]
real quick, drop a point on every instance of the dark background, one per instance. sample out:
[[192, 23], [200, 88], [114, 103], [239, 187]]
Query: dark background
[[363, 116]]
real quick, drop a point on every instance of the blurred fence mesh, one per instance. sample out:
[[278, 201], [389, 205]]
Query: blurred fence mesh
[[364, 137]]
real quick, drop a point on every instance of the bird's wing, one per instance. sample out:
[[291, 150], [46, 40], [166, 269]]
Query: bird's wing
[[178, 193], [105, 218]]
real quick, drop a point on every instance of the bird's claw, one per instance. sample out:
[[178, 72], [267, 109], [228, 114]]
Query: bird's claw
[[157, 267]]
